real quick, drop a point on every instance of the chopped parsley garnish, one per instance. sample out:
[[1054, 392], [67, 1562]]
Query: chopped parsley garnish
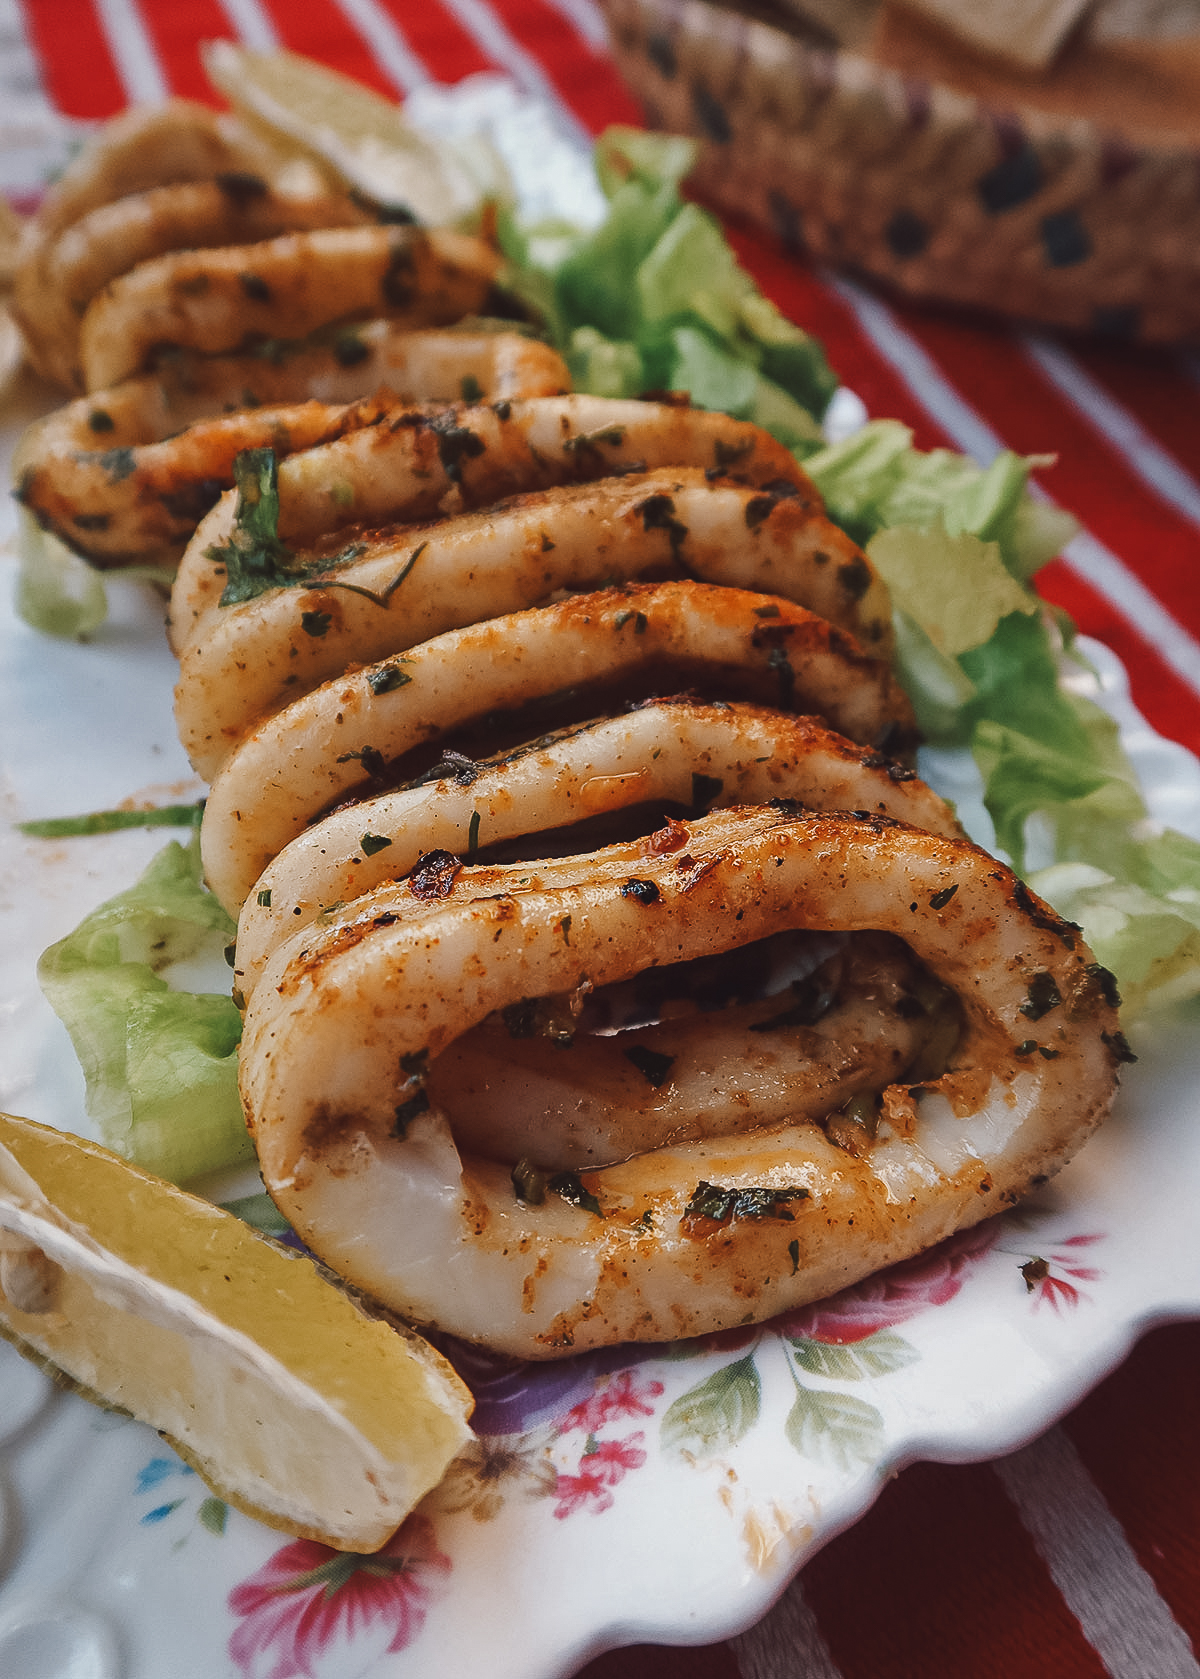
[[254, 558], [529, 1183], [385, 679], [721, 1205], [406, 1112], [569, 1186], [1043, 995], [652, 1064], [109, 821]]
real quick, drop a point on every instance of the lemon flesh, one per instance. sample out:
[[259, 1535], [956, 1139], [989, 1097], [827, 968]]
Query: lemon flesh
[[355, 133], [293, 1403]]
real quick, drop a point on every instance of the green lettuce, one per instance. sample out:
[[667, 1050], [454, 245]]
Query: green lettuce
[[57, 592], [654, 299], [983, 659], [160, 1064]]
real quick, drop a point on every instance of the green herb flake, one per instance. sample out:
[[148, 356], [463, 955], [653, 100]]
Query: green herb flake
[[652, 1064], [794, 1255], [471, 389], [1107, 983], [940, 899], [100, 421], [371, 843], [315, 623], [1043, 996], [386, 679], [370, 757], [119, 464], [1118, 1046], [658, 514], [254, 558], [473, 837], [641, 891], [455, 445], [721, 1205], [264, 898], [529, 1183], [570, 1187], [406, 1112]]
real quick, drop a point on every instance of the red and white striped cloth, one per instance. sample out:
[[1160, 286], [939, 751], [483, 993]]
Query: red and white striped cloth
[[1080, 1555]]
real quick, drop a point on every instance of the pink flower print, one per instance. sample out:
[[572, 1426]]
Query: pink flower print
[[892, 1296], [1045, 1280], [308, 1598], [623, 1394], [581, 1492], [603, 1464], [610, 1460]]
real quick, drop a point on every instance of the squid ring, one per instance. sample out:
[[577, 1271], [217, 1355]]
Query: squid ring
[[676, 751], [236, 207], [344, 1030], [426, 462], [144, 148], [310, 756], [242, 662], [287, 287], [124, 475]]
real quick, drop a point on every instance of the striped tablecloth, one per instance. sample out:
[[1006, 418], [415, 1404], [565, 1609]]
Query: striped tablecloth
[[1079, 1555]]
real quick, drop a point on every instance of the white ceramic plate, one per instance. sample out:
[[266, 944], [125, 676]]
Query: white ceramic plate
[[663, 1496]]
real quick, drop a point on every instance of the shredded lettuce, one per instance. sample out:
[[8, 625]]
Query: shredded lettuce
[[654, 299], [983, 660], [160, 1064], [57, 592]]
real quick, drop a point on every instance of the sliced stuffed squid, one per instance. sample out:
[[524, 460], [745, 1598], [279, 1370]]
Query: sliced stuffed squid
[[731, 1176], [521, 674]]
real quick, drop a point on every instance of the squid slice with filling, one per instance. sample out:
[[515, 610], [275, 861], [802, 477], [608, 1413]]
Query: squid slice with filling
[[386, 593], [350, 736], [668, 755], [123, 476], [353, 1103]]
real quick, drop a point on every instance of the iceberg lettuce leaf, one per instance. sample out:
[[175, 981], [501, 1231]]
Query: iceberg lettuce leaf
[[655, 299], [160, 1064]]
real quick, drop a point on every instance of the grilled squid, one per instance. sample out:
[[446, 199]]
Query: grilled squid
[[241, 662], [288, 287], [366, 1040], [145, 148], [667, 755], [424, 462], [236, 207], [357, 732], [123, 476]]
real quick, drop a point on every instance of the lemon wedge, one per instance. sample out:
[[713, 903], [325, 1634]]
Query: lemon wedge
[[352, 131], [291, 1402]]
